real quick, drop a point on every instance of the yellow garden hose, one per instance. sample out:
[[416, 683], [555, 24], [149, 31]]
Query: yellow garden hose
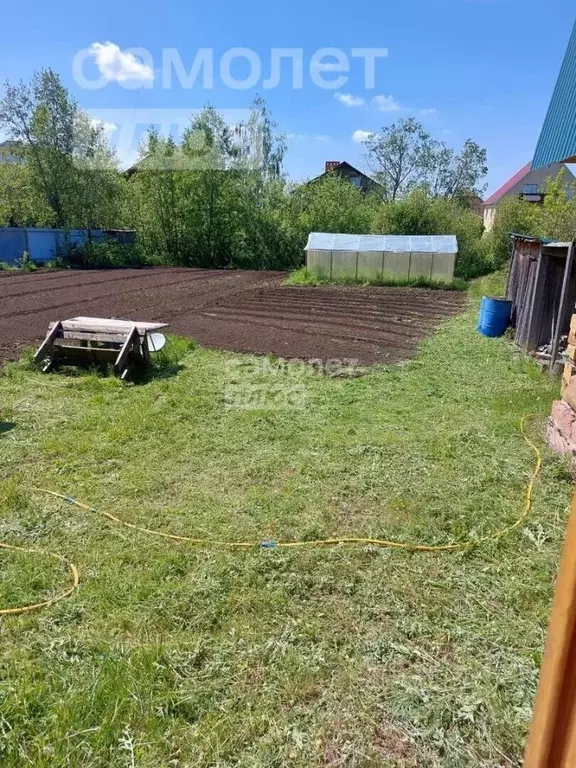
[[281, 544], [45, 603]]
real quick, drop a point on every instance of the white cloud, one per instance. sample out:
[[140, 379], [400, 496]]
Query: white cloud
[[349, 100], [429, 111], [106, 126], [386, 104], [359, 137], [119, 66]]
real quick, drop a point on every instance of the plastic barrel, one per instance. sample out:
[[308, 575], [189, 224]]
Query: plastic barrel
[[494, 316]]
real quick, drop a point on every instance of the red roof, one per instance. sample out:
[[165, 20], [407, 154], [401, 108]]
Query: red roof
[[510, 184]]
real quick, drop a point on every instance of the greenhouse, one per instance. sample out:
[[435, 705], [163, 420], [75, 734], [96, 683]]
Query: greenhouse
[[382, 257]]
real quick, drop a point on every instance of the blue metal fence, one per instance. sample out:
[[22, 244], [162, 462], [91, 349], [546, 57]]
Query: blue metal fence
[[41, 244]]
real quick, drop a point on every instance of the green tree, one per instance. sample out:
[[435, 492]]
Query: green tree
[[558, 214], [419, 213], [456, 175], [156, 197], [260, 148], [405, 156], [327, 204], [212, 198], [210, 154], [20, 205], [70, 163], [401, 157]]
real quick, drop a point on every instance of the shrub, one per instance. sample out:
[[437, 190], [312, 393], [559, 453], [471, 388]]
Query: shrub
[[25, 263], [512, 215], [106, 254], [420, 214]]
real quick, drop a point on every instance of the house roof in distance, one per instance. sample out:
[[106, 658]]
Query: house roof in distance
[[510, 184], [336, 166]]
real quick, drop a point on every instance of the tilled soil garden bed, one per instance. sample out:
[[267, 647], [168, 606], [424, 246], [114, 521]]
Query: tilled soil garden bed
[[243, 311]]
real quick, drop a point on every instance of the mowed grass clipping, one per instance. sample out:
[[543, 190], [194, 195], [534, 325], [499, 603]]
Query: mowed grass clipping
[[172, 655]]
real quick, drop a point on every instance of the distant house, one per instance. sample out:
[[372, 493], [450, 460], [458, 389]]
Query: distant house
[[527, 184], [474, 202], [346, 171]]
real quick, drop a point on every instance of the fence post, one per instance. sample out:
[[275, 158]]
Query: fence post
[[552, 739]]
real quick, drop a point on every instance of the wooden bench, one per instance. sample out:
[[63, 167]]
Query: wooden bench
[[84, 340]]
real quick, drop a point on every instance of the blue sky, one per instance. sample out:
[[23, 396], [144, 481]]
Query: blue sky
[[483, 69]]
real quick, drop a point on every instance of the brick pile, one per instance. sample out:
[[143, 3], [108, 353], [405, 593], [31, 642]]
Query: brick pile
[[562, 422]]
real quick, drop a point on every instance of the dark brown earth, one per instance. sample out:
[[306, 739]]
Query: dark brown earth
[[243, 311]]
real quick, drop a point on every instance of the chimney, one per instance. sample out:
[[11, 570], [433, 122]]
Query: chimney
[[330, 165]]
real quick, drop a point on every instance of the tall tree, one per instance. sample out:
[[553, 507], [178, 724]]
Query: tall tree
[[405, 156], [210, 153], [62, 148], [261, 149], [458, 174], [401, 157], [20, 205], [156, 193]]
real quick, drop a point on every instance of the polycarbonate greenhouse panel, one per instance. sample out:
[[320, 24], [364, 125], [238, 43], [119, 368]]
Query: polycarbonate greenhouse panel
[[396, 266], [397, 243], [319, 262], [421, 266], [370, 264], [363, 257], [443, 267], [344, 263]]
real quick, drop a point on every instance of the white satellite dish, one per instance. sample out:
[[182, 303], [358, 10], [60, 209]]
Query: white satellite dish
[[156, 341]]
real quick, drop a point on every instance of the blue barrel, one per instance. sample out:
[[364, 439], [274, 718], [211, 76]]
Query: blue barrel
[[494, 316]]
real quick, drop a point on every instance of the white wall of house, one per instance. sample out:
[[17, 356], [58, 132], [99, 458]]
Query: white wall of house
[[530, 188], [534, 182], [489, 216]]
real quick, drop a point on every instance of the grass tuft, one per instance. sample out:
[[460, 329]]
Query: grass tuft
[[303, 277]]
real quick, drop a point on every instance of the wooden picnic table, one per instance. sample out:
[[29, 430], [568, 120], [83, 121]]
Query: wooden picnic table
[[82, 340]]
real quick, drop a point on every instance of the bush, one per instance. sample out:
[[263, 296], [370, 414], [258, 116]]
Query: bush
[[25, 263], [420, 214], [555, 219], [106, 254], [512, 215]]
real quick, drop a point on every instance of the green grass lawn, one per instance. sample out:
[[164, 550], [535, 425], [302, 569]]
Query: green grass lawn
[[170, 655]]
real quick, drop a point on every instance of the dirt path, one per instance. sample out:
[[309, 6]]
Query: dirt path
[[244, 311]]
